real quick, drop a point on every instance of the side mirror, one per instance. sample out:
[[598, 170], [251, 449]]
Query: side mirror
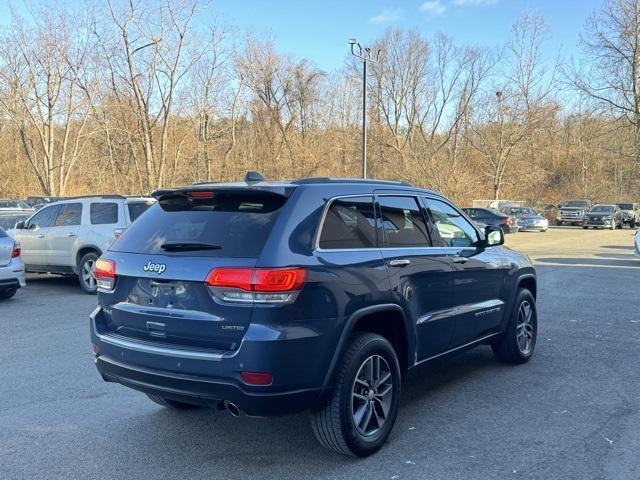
[[20, 225], [494, 236]]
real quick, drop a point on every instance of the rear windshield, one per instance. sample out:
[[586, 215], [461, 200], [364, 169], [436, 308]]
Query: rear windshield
[[237, 223], [137, 208], [626, 206]]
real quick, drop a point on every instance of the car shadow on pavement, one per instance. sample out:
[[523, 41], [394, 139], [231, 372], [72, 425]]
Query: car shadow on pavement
[[628, 262], [67, 283], [619, 247]]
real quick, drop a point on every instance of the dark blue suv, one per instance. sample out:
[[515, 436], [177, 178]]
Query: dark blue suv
[[319, 294]]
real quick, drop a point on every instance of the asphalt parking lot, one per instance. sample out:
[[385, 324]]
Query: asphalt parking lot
[[573, 412]]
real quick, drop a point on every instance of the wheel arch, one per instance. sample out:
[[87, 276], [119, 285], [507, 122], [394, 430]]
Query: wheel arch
[[387, 320], [83, 251]]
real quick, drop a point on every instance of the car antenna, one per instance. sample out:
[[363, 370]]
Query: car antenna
[[253, 177]]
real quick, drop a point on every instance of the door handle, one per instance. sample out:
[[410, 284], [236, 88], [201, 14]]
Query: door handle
[[41, 235], [399, 262], [460, 259], [71, 234]]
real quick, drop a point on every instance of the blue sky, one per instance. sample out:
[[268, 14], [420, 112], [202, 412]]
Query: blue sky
[[318, 30]]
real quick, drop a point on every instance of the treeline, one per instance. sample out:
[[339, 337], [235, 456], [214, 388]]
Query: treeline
[[127, 97]]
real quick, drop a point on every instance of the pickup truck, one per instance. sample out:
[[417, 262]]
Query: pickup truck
[[572, 211]]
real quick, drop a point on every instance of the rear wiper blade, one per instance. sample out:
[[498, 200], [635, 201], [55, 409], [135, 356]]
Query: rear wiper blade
[[187, 246]]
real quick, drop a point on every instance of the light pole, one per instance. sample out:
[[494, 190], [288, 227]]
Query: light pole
[[366, 55]]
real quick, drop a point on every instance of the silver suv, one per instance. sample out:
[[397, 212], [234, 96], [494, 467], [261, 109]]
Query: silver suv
[[68, 236]]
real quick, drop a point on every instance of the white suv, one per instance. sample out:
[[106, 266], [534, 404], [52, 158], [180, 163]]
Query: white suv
[[68, 236]]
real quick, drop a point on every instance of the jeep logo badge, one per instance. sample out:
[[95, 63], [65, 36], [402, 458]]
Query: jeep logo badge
[[154, 267]]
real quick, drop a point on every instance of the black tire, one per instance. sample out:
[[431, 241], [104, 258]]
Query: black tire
[[88, 284], [172, 404], [509, 349], [333, 422], [585, 228], [7, 293], [632, 224]]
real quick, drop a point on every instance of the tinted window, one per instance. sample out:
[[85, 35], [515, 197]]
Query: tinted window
[[70, 214], [238, 223], [349, 223], [45, 217], [453, 228], [402, 222], [103, 213], [138, 208]]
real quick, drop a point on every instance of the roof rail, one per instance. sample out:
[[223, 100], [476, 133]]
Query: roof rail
[[111, 196], [312, 180]]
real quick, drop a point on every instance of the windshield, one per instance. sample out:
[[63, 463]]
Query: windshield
[[576, 204], [603, 209], [10, 221], [626, 206]]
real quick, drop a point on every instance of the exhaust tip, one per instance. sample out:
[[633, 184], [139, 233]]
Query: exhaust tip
[[233, 409]]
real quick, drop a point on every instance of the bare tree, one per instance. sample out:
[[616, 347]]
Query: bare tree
[[148, 62], [46, 78], [521, 103]]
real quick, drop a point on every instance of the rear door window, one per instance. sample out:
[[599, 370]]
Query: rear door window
[[403, 223], [237, 224], [349, 223], [103, 213], [70, 215]]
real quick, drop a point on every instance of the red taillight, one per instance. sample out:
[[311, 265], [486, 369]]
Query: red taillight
[[256, 285], [16, 250], [105, 268], [507, 221], [265, 280], [258, 279], [105, 273], [256, 378], [230, 277]]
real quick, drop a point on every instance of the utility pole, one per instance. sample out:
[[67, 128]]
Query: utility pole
[[366, 55]]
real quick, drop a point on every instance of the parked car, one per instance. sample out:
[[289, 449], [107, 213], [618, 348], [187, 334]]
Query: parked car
[[528, 218], [630, 213], [572, 211], [496, 218], [38, 202], [14, 205], [271, 298], [9, 219], [68, 236], [603, 216], [12, 271]]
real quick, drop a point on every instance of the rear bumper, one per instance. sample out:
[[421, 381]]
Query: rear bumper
[[207, 391], [13, 275], [299, 367]]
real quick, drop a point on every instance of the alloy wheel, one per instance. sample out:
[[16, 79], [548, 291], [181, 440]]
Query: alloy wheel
[[525, 328], [371, 395], [88, 275]]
